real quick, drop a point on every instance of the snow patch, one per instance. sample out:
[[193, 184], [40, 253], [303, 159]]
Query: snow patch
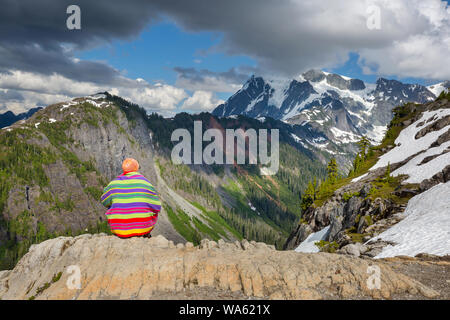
[[298, 140], [308, 245], [360, 177], [280, 87], [407, 145], [377, 134], [437, 88], [344, 136], [68, 104], [98, 104], [298, 107], [425, 228], [417, 173], [254, 102], [253, 208]]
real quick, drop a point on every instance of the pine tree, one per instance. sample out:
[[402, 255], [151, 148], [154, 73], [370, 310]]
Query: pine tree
[[364, 145], [357, 163], [387, 174], [309, 195], [388, 170], [332, 171]]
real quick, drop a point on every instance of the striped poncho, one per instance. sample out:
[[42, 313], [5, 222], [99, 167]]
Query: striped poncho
[[134, 205]]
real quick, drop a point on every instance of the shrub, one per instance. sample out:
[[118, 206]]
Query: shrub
[[325, 246]]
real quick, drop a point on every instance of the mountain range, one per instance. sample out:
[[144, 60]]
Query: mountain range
[[8, 118], [340, 108]]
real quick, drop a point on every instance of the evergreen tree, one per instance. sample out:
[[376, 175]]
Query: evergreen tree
[[388, 170], [364, 145], [387, 174], [332, 171], [309, 195], [357, 163]]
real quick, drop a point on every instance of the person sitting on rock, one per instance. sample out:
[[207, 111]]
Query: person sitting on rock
[[133, 202]]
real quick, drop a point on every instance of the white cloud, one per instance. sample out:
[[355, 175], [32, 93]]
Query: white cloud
[[424, 54], [42, 90], [156, 97], [201, 101]]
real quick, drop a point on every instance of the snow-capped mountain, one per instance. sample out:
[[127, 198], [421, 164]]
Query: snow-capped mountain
[[399, 206], [439, 87], [341, 107]]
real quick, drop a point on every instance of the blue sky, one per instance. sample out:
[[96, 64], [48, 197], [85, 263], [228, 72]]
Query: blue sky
[[162, 47]]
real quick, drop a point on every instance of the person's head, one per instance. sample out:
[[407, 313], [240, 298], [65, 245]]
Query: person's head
[[130, 165]]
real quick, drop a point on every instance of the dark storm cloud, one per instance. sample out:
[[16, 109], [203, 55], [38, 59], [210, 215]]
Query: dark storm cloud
[[283, 36], [34, 36], [34, 58]]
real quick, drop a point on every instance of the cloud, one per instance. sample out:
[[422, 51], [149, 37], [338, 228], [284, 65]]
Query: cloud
[[20, 91], [34, 36], [37, 51], [194, 79], [154, 98], [11, 95], [201, 101], [286, 37], [292, 36]]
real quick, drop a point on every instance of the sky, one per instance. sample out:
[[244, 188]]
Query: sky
[[170, 56]]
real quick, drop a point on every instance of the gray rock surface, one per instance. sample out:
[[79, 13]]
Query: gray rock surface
[[140, 268]]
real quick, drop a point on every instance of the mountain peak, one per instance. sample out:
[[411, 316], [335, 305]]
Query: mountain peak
[[314, 75]]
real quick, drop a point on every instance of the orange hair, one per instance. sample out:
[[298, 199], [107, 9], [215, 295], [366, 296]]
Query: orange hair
[[130, 165]]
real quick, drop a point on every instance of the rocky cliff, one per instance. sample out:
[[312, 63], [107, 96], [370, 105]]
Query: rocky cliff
[[156, 268], [413, 158]]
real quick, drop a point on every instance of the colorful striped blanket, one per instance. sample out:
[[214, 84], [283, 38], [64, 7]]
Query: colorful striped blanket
[[134, 205]]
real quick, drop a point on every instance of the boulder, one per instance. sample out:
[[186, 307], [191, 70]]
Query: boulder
[[221, 243], [246, 245], [212, 244], [354, 249], [159, 242], [189, 245]]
